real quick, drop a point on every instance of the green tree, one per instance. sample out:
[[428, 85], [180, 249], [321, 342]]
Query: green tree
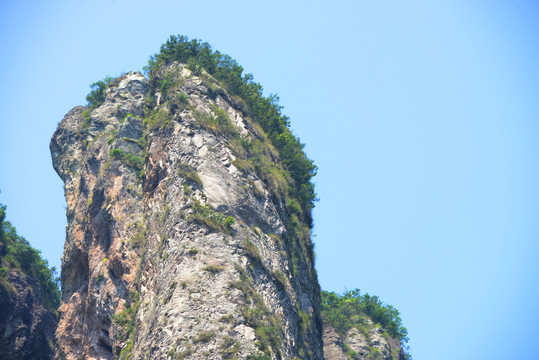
[[347, 310], [96, 96]]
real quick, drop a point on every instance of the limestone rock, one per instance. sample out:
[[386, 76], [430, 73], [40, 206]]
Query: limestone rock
[[175, 249], [333, 345], [361, 344]]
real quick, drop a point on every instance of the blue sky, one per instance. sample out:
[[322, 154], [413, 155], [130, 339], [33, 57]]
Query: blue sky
[[421, 116]]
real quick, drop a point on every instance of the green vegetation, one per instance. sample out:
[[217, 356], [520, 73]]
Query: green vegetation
[[183, 99], [374, 354], [273, 153], [258, 357], [267, 325], [140, 142], [264, 110], [227, 318], [96, 97], [138, 241], [295, 176], [204, 337], [261, 154], [171, 80], [206, 215], [189, 174], [217, 121], [129, 159], [158, 119], [16, 252], [252, 251], [126, 117], [351, 309], [126, 322], [281, 278], [214, 269], [230, 348], [86, 116]]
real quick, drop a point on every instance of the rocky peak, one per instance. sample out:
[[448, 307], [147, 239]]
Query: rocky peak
[[188, 225], [180, 241]]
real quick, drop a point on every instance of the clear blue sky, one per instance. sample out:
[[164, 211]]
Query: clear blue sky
[[421, 115]]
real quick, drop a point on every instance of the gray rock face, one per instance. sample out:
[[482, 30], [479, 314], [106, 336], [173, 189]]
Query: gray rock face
[[175, 247], [358, 343], [333, 345], [361, 344]]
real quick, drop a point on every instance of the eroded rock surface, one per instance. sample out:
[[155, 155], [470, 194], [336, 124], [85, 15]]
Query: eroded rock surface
[[361, 344], [26, 324], [333, 345], [175, 246]]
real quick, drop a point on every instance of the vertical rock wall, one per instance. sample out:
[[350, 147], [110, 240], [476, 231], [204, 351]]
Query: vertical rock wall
[[175, 246]]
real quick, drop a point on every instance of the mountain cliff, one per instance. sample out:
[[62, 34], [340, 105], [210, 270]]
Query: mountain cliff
[[188, 218], [179, 242]]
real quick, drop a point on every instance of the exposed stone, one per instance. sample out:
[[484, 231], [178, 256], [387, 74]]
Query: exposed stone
[[333, 345], [357, 343], [374, 344], [197, 289], [26, 325]]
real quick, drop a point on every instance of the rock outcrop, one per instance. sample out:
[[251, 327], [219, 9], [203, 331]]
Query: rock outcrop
[[177, 246], [333, 345], [361, 344], [27, 325]]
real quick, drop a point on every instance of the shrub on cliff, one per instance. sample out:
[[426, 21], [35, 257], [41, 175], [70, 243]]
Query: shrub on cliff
[[349, 309], [96, 96]]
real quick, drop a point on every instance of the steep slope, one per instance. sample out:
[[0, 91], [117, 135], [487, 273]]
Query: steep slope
[[28, 297], [183, 240]]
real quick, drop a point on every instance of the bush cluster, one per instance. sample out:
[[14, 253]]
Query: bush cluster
[[206, 215], [217, 121], [129, 159], [96, 96], [350, 309], [189, 173]]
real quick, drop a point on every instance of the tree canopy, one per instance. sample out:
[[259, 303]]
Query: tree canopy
[[349, 309], [96, 96]]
